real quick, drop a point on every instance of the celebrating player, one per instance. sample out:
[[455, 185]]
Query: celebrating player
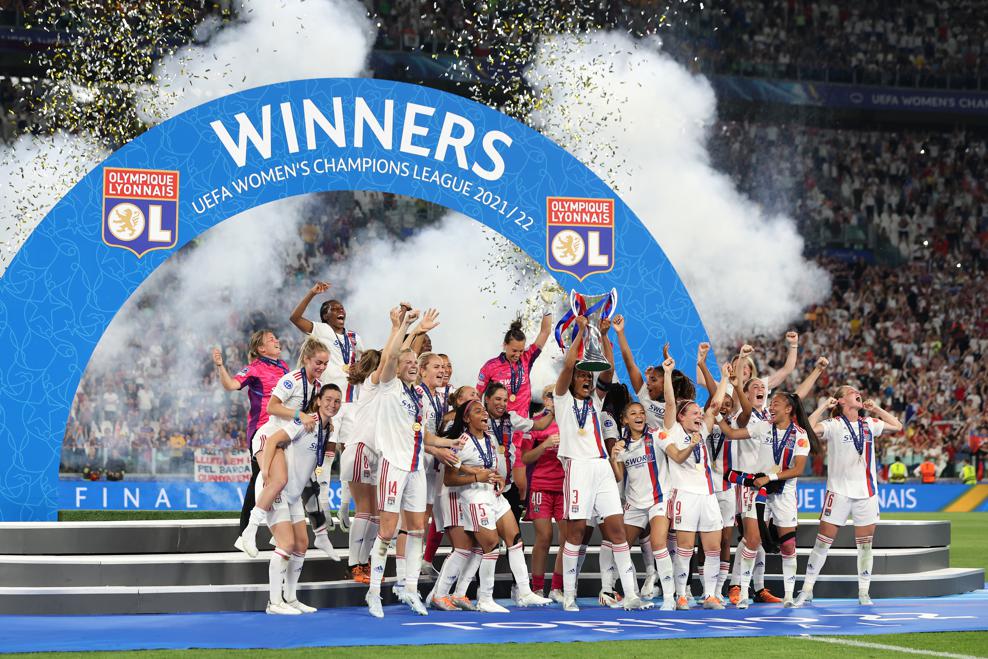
[[852, 483], [344, 345], [589, 484], [260, 377], [303, 446], [402, 440], [693, 503], [294, 392]]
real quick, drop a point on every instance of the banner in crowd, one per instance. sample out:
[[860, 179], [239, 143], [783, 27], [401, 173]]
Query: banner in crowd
[[194, 495], [864, 97], [188, 174], [216, 466]]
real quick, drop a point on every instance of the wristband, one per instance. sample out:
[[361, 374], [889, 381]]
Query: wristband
[[773, 477], [297, 414]]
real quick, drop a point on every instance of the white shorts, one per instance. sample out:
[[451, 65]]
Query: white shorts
[[399, 490], [744, 501], [641, 518], [837, 508], [501, 507], [481, 514], [273, 425], [781, 508], [589, 489], [446, 510], [728, 503], [689, 511], [433, 481], [282, 511], [358, 464]]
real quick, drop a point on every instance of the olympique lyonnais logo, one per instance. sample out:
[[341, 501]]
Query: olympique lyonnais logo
[[140, 209], [579, 235]]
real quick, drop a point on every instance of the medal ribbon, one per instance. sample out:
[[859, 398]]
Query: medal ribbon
[[320, 443], [859, 439], [346, 348], [777, 447], [696, 451], [434, 402], [717, 446], [517, 376], [277, 363], [581, 415], [488, 456]]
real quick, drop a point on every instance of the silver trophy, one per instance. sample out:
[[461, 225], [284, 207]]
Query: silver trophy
[[595, 308]]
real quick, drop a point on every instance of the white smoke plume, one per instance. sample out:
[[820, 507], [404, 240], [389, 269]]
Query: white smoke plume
[[641, 121], [272, 41], [36, 173]]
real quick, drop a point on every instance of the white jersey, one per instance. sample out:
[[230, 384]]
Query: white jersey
[[850, 472], [504, 430], [694, 474], [721, 457], [292, 389], [777, 449], [365, 415], [344, 351], [301, 458], [400, 431], [481, 453], [655, 412], [580, 441], [745, 453], [433, 408], [642, 471]]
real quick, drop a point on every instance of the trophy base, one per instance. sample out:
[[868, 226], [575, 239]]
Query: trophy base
[[593, 365]]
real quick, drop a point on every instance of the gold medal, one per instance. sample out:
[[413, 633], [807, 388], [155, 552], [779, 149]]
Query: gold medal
[[512, 398], [345, 368], [417, 427], [318, 472], [500, 449], [583, 431], [699, 466]]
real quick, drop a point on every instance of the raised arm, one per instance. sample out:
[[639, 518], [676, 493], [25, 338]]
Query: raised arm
[[713, 408], [634, 374], [742, 397], [400, 321], [816, 418], [304, 324], [414, 339], [806, 386], [777, 378], [229, 383], [544, 330], [680, 454], [703, 373], [892, 424], [569, 360], [669, 394]]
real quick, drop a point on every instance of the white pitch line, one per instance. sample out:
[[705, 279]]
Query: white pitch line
[[880, 646]]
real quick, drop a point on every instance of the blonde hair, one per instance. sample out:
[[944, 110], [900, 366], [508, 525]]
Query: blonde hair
[[310, 347], [256, 339]]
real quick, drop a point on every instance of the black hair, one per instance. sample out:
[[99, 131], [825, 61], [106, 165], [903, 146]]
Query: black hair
[[459, 425], [615, 400], [799, 413], [514, 332], [324, 309], [492, 389]]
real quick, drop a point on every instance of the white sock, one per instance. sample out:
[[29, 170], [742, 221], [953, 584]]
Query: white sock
[[865, 561], [277, 569], [663, 564], [711, 570], [452, 567], [486, 590], [722, 577], [469, 572], [257, 517], [758, 574], [413, 560], [370, 535], [400, 561], [789, 572], [356, 539], [344, 497], [571, 569], [736, 571], [625, 569], [748, 557], [291, 577], [516, 560], [681, 564], [816, 561], [647, 556], [378, 561], [608, 573]]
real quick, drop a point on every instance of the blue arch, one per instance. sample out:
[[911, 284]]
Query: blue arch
[[65, 285]]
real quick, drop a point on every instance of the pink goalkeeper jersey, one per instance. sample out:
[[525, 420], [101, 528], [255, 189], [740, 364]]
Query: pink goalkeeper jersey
[[515, 377], [260, 378]]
